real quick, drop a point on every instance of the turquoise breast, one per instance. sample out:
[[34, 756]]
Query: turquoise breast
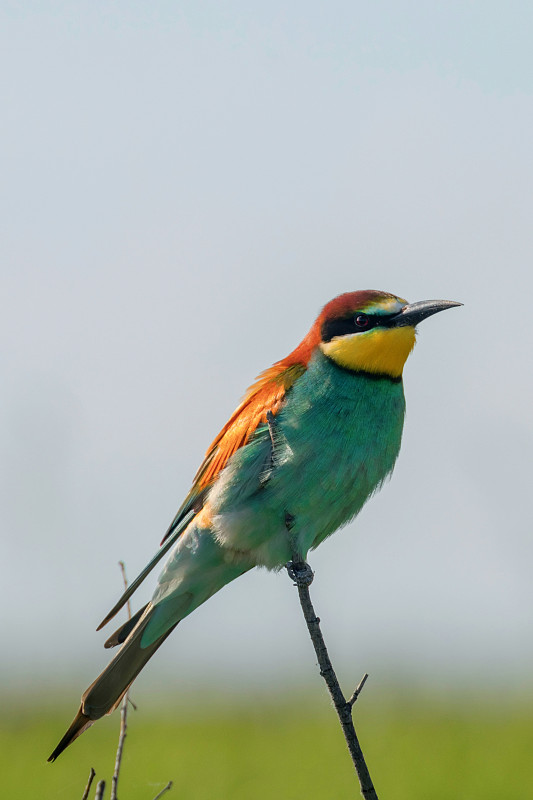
[[338, 437]]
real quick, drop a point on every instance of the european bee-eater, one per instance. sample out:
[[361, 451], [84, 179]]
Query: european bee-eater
[[315, 436]]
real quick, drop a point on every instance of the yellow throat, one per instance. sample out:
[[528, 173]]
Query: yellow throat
[[380, 350]]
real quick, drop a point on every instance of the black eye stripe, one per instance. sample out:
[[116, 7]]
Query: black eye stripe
[[340, 327]]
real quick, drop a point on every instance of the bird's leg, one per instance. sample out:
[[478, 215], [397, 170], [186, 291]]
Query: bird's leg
[[298, 570]]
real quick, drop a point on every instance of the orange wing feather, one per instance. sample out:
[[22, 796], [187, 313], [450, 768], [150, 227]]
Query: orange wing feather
[[266, 394]]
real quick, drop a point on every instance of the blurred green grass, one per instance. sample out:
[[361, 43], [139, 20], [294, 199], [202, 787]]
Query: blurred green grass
[[421, 747]]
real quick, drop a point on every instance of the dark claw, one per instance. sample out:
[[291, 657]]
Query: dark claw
[[300, 572]]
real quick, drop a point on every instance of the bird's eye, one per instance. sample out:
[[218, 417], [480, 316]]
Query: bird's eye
[[362, 321]]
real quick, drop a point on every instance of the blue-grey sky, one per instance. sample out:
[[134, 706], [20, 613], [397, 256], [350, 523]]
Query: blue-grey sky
[[183, 186]]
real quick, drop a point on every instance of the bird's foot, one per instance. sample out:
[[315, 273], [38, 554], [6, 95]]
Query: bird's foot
[[300, 572]]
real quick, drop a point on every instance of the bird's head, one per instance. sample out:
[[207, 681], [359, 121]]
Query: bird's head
[[371, 331]]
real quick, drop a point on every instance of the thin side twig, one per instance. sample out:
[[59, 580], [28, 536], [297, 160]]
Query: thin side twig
[[100, 788], [87, 789], [300, 572], [123, 710], [162, 792], [358, 689], [125, 580]]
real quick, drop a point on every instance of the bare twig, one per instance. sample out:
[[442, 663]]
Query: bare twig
[[162, 792], [123, 710], [100, 788], [302, 575], [358, 689], [120, 746], [87, 789], [125, 579]]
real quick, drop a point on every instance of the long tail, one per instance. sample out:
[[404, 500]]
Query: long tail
[[105, 694]]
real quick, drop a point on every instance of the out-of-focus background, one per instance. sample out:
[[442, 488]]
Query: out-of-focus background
[[183, 186]]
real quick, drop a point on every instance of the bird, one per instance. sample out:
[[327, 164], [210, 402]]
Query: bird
[[314, 437]]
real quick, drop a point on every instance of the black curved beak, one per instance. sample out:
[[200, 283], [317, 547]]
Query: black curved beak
[[413, 313]]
